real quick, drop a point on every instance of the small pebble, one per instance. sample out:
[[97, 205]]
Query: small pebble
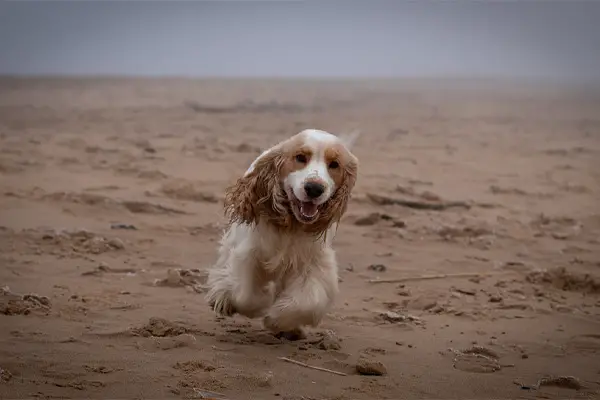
[[377, 267], [393, 316], [369, 367], [399, 224], [123, 226], [116, 243], [265, 380], [329, 341]]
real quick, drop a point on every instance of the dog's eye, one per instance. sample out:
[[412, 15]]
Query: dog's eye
[[301, 158], [334, 165]]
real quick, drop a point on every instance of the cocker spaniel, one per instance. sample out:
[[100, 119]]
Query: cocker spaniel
[[275, 259]]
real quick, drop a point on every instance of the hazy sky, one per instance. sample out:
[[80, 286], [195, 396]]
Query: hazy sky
[[302, 38]]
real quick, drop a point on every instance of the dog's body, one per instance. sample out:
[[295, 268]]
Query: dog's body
[[275, 259]]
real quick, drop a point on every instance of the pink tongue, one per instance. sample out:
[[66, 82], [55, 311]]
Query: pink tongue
[[308, 209]]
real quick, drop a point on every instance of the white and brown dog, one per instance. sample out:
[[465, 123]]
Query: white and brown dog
[[275, 259]]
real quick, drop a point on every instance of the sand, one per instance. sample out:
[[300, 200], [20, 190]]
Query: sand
[[469, 257]]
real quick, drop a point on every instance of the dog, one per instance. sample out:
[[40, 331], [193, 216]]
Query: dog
[[275, 259]]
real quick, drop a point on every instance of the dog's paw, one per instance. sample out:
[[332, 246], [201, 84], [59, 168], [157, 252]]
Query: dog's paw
[[293, 335], [222, 305], [272, 325]]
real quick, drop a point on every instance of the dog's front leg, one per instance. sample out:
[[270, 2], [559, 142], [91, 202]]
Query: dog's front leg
[[304, 301], [238, 284]]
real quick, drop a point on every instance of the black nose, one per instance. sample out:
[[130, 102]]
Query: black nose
[[313, 189]]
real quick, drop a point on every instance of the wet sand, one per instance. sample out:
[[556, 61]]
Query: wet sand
[[469, 257]]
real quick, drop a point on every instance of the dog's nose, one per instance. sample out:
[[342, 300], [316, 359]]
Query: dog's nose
[[313, 189]]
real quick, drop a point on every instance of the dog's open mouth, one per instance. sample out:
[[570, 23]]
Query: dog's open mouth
[[305, 211]]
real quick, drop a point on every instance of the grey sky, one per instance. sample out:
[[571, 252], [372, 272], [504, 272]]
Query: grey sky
[[558, 39]]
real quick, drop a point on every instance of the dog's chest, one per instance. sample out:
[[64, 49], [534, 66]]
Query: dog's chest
[[281, 254]]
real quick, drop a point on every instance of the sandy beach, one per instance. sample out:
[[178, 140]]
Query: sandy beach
[[469, 257]]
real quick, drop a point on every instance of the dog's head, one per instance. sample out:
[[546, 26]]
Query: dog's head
[[302, 183]]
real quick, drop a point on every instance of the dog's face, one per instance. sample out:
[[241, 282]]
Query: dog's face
[[308, 177], [317, 165]]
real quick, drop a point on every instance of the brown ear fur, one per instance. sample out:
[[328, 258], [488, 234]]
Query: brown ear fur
[[337, 205], [259, 194]]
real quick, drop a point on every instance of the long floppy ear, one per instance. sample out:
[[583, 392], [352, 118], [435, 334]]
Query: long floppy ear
[[338, 204], [258, 192]]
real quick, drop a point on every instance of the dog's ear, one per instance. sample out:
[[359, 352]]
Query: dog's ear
[[350, 138], [335, 208], [337, 205], [256, 194]]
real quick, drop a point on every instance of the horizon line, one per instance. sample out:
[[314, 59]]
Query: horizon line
[[540, 78]]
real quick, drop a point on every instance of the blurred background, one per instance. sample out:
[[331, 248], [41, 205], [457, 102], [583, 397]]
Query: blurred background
[[531, 39]]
